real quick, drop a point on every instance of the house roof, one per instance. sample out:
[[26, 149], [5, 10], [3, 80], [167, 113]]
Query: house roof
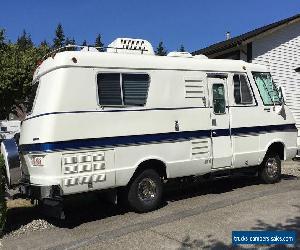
[[230, 43]]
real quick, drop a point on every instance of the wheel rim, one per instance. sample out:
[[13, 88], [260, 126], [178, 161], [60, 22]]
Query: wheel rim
[[272, 167], [147, 190]]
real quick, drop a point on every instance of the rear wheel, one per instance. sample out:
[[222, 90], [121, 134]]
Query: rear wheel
[[270, 169], [145, 192]]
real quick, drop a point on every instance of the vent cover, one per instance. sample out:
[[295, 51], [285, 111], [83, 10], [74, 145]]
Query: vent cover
[[194, 88], [200, 149], [130, 46]]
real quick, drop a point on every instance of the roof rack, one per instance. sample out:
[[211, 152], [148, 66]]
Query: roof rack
[[88, 47]]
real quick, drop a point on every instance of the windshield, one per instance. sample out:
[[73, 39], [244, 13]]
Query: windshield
[[267, 89]]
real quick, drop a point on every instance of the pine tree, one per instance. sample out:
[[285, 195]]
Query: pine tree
[[70, 41], [24, 42], [84, 43], [160, 50], [59, 40], [2, 37], [44, 43], [99, 43], [181, 49]]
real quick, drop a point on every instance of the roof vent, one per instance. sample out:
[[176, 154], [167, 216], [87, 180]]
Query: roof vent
[[180, 54], [130, 46], [201, 56], [87, 48]]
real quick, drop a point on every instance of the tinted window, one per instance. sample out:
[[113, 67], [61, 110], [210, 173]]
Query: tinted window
[[122, 89], [135, 89], [267, 89], [219, 98], [31, 97], [109, 89], [242, 91]]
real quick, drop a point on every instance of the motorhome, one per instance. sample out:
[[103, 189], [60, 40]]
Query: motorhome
[[129, 120]]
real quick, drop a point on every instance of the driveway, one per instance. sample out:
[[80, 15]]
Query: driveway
[[194, 215]]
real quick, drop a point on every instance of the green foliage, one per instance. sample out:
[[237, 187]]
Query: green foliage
[[24, 41], [17, 64], [3, 207], [160, 50], [99, 43], [59, 40]]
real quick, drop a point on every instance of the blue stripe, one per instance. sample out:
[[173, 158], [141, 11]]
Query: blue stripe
[[114, 141], [150, 138]]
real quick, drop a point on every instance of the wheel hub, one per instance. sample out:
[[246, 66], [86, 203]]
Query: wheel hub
[[272, 167], [147, 190]]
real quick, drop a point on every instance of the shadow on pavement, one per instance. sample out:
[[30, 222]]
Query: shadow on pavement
[[92, 207], [210, 242]]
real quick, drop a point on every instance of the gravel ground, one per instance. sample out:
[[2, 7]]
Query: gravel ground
[[37, 223]]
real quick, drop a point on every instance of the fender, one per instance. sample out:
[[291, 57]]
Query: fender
[[9, 149], [272, 142]]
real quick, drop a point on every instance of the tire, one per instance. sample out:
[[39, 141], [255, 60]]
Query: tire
[[270, 169], [145, 191]]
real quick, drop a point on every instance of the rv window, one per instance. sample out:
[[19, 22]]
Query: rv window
[[31, 97], [267, 89], [135, 89], [242, 92], [116, 89], [109, 89], [219, 98]]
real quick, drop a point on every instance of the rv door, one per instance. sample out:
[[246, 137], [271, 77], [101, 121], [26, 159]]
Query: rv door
[[221, 138]]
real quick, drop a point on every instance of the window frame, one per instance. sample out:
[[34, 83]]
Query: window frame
[[253, 103], [121, 87], [265, 72]]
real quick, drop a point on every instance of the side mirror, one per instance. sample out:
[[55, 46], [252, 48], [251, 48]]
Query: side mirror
[[281, 93]]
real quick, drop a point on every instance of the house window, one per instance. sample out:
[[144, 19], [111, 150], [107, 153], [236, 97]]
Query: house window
[[267, 89], [118, 89], [242, 91]]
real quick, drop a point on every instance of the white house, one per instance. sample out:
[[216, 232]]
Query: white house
[[277, 46]]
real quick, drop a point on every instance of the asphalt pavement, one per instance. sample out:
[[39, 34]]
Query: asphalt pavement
[[193, 215]]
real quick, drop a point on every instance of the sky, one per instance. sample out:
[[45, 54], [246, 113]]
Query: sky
[[193, 23]]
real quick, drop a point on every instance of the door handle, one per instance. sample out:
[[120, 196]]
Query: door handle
[[214, 133]]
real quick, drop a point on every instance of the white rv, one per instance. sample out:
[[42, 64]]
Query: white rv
[[127, 118]]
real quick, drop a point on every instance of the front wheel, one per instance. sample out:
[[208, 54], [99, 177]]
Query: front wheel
[[145, 192], [270, 169]]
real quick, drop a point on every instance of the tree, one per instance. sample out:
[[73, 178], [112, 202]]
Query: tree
[[160, 50], [24, 41], [99, 43], [84, 43], [181, 49], [2, 37], [70, 41], [59, 40]]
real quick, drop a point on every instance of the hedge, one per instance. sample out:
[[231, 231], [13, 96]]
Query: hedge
[[3, 207]]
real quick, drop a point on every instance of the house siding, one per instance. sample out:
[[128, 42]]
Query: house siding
[[280, 51]]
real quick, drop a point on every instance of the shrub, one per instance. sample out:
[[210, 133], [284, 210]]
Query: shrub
[[3, 207]]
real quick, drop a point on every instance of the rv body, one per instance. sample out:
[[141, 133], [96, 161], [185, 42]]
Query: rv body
[[101, 118]]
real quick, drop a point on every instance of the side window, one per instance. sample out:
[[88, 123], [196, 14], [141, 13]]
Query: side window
[[109, 89], [135, 89], [219, 98], [116, 89], [267, 89], [242, 91]]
